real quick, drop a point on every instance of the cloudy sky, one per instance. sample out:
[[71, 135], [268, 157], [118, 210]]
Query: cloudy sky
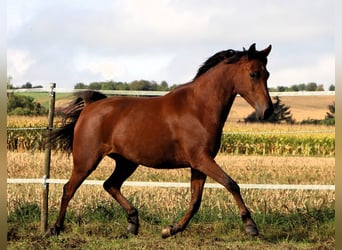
[[124, 40]]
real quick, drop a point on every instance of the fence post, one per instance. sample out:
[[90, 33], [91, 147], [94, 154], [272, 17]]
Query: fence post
[[45, 192]]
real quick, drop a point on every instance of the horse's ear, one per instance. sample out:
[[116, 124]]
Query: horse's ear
[[264, 53], [251, 51]]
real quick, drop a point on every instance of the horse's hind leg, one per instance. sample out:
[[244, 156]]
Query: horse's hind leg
[[80, 172], [197, 183], [112, 185]]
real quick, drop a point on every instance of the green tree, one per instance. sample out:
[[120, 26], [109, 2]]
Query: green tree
[[23, 105], [332, 87], [301, 86], [330, 115], [9, 82], [320, 87], [281, 88], [295, 87], [328, 120], [27, 85], [312, 86], [81, 85], [95, 86]]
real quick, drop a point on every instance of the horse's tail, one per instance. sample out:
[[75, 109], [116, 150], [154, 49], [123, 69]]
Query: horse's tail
[[62, 137]]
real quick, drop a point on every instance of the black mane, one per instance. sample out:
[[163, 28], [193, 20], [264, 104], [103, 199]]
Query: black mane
[[232, 56]]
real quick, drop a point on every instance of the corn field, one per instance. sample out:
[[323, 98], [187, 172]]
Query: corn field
[[237, 139]]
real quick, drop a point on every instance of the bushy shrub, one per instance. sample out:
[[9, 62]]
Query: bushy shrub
[[281, 114], [329, 118], [23, 105]]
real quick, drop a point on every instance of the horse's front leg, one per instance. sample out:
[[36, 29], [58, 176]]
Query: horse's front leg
[[209, 167], [197, 183]]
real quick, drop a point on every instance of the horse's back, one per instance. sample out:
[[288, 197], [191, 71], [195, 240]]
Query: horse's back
[[144, 130]]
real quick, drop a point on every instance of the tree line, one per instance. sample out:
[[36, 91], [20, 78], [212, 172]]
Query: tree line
[[164, 86], [134, 85], [148, 85], [311, 86]]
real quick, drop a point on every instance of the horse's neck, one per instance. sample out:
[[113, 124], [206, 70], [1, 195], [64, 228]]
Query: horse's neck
[[215, 93]]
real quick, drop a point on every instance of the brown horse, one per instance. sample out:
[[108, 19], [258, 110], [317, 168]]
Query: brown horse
[[179, 130]]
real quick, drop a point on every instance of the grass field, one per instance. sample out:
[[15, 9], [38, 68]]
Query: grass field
[[287, 219]]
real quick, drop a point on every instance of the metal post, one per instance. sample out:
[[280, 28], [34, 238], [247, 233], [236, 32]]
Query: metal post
[[45, 192]]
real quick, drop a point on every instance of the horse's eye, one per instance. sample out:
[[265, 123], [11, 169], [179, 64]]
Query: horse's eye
[[254, 75]]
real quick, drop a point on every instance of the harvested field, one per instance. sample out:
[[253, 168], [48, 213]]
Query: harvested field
[[302, 107]]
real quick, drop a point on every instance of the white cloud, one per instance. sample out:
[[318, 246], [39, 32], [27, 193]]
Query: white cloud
[[19, 61], [72, 41], [122, 68], [103, 67], [321, 71]]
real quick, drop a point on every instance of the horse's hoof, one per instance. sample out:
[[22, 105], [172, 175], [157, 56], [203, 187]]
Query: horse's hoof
[[252, 230], [166, 232], [132, 228], [54, 231]]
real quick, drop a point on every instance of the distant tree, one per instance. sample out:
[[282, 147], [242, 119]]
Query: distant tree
[[23, 105], [81, 85], [122, 86], [141, 85], [281, 89], [331, 113], [332, 87], [301, 86], [95, 86], [9, 82], [27, 85], [164, 86], [329, 118], [295, 87], [37, 86], [281, 114], [320, 87], [110, 85], [312, 86]]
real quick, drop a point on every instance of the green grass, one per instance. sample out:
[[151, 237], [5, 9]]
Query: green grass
[[104, 227], [44, 97]]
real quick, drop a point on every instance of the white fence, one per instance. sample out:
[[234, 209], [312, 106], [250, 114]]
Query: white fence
[[45, 181]]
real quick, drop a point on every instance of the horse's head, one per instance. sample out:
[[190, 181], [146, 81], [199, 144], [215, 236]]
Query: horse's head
[[251, 81]]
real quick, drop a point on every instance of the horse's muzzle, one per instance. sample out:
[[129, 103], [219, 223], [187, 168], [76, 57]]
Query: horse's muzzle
[[264, 113]]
